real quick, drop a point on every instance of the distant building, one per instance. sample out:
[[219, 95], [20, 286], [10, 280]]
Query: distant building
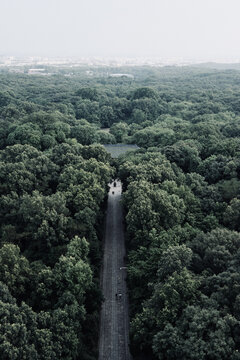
[[122, 75], [16, 71], [36, 72], [89, 72]]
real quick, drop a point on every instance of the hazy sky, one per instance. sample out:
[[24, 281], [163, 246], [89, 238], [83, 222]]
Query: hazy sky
[[200, 29]]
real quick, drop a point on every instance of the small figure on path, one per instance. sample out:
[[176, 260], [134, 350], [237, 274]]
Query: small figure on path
[[118, 296]]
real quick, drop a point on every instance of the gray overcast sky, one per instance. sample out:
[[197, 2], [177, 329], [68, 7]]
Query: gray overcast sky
[[200, 29]]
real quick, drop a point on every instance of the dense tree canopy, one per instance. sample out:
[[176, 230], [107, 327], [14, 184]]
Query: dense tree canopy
[[181, 201]]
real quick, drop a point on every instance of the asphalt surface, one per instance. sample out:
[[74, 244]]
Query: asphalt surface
[[114, 327]]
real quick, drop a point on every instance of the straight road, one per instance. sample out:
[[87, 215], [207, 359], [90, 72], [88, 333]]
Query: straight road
[[114, 328]]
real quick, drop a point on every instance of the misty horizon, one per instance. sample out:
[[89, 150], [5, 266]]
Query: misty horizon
[[188, 30]]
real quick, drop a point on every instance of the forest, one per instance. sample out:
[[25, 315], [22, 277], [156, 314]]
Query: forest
[[181, 198]]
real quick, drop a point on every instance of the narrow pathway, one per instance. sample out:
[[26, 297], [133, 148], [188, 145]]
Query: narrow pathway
[[114, 329]]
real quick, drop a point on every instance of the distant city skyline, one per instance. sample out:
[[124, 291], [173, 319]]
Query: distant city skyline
[[191, 30], [11, 59]]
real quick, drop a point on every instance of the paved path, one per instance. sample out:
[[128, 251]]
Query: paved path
[[114, 329]]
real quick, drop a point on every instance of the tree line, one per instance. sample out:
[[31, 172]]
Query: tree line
[[182, 205], [52, 201]]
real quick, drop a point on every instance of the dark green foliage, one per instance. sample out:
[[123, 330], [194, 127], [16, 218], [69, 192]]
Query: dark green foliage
[[87, 93], [181, 200], [52, 191], [182, 218], [182, 263]]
